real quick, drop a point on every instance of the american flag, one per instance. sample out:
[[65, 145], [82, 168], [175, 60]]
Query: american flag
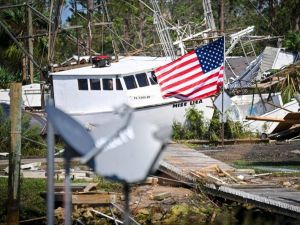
[[195, 75]]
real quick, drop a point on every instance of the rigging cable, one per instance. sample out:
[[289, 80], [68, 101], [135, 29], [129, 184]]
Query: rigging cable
[[268, 23]]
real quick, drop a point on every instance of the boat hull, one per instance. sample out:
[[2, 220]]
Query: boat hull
[[161, 115]]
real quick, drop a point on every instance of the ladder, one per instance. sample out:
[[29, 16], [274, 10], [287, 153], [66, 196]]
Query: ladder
[[252, 50]]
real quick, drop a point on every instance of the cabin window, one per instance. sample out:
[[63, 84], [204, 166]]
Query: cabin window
[[95, 84], [107, 84], [83, 84], [130, 82], [153, 79], [142, 79], [118, 84]]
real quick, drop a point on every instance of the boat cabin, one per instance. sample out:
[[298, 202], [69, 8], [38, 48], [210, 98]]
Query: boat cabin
[[90, 89]]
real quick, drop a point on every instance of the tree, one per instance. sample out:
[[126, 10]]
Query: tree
[[292, 41], [31, 138]]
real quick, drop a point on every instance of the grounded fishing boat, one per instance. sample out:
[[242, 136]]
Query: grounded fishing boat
[[90, 94]]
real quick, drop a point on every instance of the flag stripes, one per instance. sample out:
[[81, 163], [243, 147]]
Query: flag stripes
[[184, 78]]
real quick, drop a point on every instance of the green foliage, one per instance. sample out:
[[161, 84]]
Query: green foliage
[[32, 142], [7, 77], [178, 131], [4, 130], [31, 203], [196, 128], [214, 129], [291, 85], [292, 41], [107, 185], [195, 123]]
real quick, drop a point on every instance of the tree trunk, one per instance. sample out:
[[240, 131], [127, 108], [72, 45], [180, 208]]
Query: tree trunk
[[271, 11], [24, 69], [142, 25], [297, 23]]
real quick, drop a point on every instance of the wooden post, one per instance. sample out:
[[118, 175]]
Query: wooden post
[[15, 155], [30, 40]]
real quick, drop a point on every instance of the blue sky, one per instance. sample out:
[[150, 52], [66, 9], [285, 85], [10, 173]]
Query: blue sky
[[67, 11]]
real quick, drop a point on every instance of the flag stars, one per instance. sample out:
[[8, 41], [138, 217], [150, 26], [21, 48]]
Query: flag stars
[[211, 56]]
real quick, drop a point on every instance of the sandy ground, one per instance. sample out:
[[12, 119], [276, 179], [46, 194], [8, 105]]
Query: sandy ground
[[280, 160], [144, 196], [274, 152]]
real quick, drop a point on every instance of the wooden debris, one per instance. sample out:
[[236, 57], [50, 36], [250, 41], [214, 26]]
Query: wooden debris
[[245, 171], [31, 166], [90, 187], [262, 174], [151, 181], [93, 198], [272, 119], [215, 179], [205, 173], [227, 174], [161, 196]]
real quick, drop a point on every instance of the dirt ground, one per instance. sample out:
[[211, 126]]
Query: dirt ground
[[279, 161], [273, 152], [146, 196]]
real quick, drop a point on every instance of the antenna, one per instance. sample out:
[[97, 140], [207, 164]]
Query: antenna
[[126, 149]]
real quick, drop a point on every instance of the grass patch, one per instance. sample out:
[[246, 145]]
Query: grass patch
[[31, 203], [242, 164]]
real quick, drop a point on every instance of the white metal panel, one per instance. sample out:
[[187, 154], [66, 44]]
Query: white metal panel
[[283, 59]]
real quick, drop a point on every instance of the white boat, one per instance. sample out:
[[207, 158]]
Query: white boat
[[264, 105], [31, 96], [90, 94]]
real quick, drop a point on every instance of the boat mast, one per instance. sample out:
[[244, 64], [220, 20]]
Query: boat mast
[[209, 17], [163, 31]]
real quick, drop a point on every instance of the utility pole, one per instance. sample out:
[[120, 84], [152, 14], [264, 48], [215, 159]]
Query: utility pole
[[223, 33], [30, 40], [15, 155]]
